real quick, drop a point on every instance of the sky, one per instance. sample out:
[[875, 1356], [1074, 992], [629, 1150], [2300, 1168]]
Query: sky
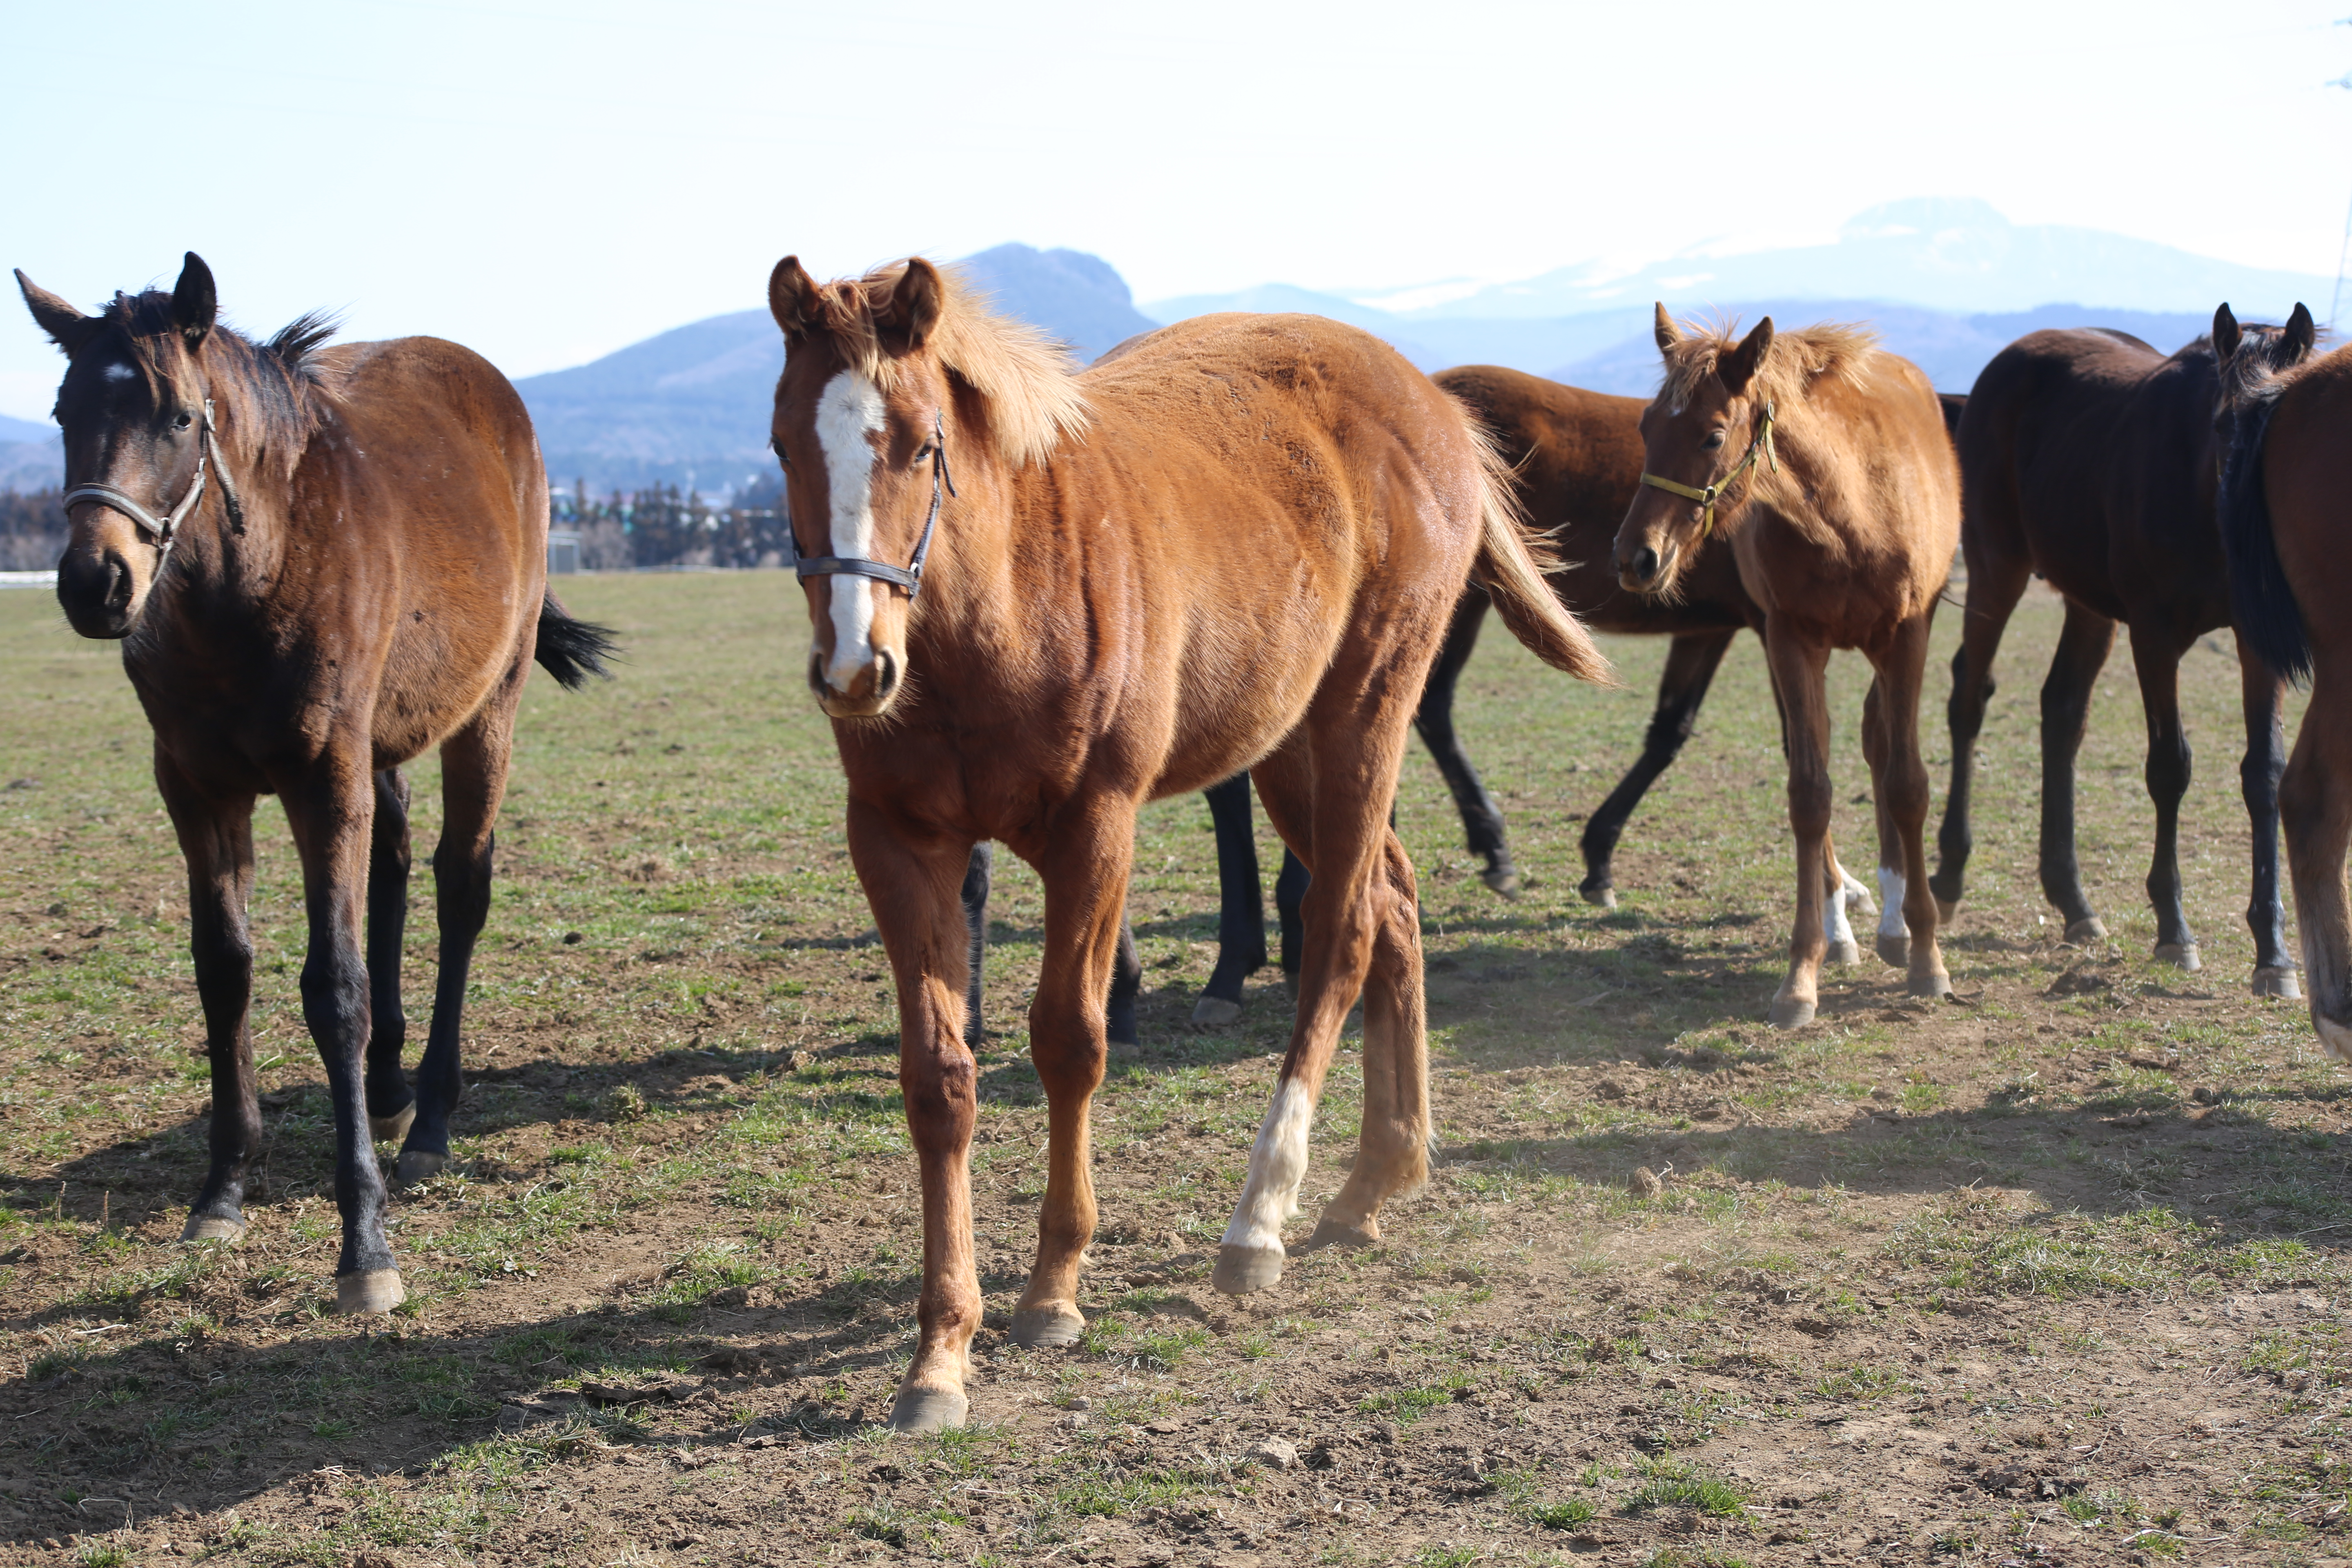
[[546, 183]]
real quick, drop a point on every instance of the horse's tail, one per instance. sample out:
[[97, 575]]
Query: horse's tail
[[2262, 602], [1512, 561], [572, 650]]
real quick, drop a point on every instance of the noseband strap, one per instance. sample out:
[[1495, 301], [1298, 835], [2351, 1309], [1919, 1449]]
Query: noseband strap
[[909, 576], [1762, 443], [162, 531]]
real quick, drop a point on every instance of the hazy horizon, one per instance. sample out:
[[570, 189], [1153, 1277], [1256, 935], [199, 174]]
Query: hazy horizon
[[547, 186]]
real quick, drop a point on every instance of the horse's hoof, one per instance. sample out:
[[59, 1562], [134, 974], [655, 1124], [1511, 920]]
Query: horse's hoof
[[1846, 952], [417, 1165], [1791, 1013], [1332, 1233], [212, 1228], [919, 1410], [1936, 984], [1242, 1270], [2086, 930], [1895, 948], [1050, 1328], [2334, 1036], [1945, 909], [393, 1128], [369, 1290], [2182, 954], [2278, 981], [1503, 880], [1603, 896], [1215, 1012]]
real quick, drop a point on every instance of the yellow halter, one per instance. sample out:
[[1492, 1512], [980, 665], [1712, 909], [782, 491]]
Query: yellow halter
[[1762, 443]]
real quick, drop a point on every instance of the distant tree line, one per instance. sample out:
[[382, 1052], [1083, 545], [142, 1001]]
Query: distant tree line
[[32, 530], [667, 526], [663, 526]]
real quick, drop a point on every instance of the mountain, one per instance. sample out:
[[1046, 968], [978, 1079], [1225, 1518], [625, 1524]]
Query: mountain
[[1946, 254], [690, 406], [34, 465], [14, 432]]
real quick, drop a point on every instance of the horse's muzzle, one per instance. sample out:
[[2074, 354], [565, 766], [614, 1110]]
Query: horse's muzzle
[[98, 593], [1641, 570], [869, 690]]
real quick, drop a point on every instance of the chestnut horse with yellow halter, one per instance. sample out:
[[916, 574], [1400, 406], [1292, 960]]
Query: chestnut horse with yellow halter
[[1041, 599], [1842, 510]]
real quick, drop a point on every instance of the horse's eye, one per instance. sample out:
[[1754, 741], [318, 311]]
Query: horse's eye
[[1714, 441], [923, 451], [183, 420]]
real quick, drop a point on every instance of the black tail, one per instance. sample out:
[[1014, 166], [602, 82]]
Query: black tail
[[2261, 600], [572, 650]]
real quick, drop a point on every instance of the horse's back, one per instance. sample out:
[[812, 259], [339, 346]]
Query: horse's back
[[1575, 460]]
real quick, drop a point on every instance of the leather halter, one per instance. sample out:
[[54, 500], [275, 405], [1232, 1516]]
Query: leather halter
[[165, 529], [1760, 443], [910, 576]]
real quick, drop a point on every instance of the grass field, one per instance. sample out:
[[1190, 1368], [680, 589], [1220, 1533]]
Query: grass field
[[2053, 1272]]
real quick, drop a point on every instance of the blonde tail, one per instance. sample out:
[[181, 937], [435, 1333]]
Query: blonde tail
[[1510, 569]]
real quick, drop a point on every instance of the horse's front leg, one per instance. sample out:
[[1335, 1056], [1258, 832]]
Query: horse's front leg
[[1084, 863], [392, 1106], [1901, 781], [1799, 676], [914, 884], [2258, 776], [216, 837], [331, 810]]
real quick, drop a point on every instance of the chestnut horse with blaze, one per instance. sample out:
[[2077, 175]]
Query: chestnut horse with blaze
[[1827, 463], [319, 561], [1043, 598]]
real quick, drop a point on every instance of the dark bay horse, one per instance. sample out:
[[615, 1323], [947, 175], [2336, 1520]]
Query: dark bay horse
[[1826, 462], [320, 562], [2285, 421], [2089, 458], [1040, 599]]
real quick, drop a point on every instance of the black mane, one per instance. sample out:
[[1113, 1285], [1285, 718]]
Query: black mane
[[281, 386]]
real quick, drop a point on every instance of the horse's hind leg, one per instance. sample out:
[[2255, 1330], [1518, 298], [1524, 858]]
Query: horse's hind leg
[[2258, 776], [1289, 901], [1691, 660], [1994, 588], [391, 1106], [2158, 660], [216, 837], [2083, 648], [976, 877], [1126, 986], [1241, 907], [1482, 820], [473, 764], [2316, 804], [1901, 790]]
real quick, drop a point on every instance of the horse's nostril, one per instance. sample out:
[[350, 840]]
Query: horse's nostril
[[118, 583], [886, 682], [1646, 564]]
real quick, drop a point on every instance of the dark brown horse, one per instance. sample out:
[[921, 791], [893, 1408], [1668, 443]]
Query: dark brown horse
[[2286, 419], [2089, 458], [320, 562], [1826, 461], [1232, 546]]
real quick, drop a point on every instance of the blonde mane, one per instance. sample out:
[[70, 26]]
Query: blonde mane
[[1026, 379], [1797, 359]]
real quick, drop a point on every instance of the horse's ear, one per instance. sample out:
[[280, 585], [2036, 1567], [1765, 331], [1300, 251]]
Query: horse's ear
[[2226, 336], [1667, 334], [1738, 368], [195, 302], [792, 297], [904, 320], [2302, 331], [68, 328]]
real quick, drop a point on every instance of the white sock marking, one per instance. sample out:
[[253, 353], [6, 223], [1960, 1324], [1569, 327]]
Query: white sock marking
[[1835, 928], [1890, 903], [848, 414], [1277, 1166]]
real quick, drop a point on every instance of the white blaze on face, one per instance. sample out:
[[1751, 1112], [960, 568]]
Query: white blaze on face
[[1278, 1165], [1890, 903], [848, 414]]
